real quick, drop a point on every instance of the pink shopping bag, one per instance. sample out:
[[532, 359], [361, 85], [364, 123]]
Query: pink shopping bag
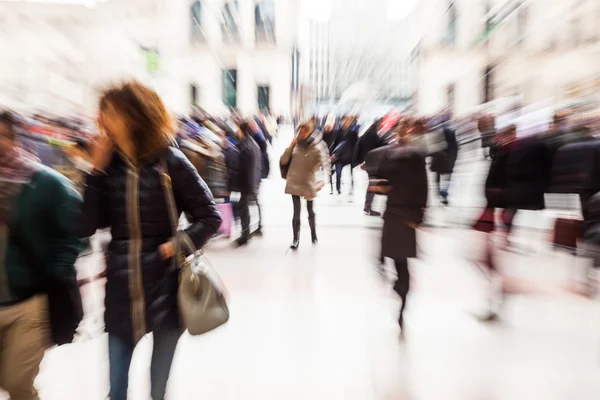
[[227, 218]]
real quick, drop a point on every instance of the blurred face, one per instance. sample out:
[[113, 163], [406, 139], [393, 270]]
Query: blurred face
[[7, 142], [304, 132], [114, 124]]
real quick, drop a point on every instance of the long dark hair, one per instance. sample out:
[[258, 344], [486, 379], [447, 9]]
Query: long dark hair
[[150, 124]]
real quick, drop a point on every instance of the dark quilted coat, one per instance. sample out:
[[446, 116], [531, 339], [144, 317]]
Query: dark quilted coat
[[528, 174], [141, 287]]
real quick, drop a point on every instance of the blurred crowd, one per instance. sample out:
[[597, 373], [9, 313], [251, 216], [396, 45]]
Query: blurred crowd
[[120, 172]]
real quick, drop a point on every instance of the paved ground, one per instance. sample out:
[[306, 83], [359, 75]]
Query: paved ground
[[320, 323]]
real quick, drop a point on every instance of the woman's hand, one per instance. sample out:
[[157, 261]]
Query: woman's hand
[[320, 185], [166, 250], [294, 141], [102, 152]]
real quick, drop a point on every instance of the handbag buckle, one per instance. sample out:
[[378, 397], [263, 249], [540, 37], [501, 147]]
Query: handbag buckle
[[166, 180]]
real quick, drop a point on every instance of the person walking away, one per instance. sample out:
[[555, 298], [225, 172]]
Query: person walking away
[[125, 192], [344, 150], [39, 216], [306, 155], [330, 137], [443, 162], [370, 140], [248, 178], [487, 129], [403, 166]]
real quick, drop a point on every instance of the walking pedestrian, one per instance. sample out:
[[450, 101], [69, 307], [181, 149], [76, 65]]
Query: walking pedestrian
[[370, 140], [343, 150], [39, 216], [124, 192], [403, 166], [248, 178], [306, 155]]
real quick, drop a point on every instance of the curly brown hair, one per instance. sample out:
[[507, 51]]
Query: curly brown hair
[[150, 124]]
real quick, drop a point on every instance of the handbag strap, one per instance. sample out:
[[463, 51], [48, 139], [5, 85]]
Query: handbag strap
[[183, 238], [167, 185]]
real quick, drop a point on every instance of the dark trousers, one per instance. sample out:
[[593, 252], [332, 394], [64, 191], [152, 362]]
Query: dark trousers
[[339, 167], [402, 285], [369, 200], [297, 208], [119, 358], [244, 210], [443, 189]]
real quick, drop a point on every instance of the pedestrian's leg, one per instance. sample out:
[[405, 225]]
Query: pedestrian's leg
[[369, 202], [351, 179], [331, 178], [312, 221], [402, 286], [259, 215], [244, 209], [296, 222], [24, 337], [338, 176], [119, 360], [165, 344]]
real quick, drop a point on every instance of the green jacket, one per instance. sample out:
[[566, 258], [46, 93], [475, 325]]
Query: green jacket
[[42, 239]]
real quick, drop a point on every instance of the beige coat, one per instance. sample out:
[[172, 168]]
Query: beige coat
[[305, 161]]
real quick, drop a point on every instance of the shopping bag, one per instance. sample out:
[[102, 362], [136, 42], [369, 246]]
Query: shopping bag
[[566, 232], [226, 211]]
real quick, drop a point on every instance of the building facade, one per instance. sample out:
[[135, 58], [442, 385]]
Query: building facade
[[348, 42], [213, 54], [473, 52]]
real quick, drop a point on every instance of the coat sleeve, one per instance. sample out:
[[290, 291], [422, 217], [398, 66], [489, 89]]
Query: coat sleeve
[[286, 156], [194, 198], [64, 210], [94, 213]]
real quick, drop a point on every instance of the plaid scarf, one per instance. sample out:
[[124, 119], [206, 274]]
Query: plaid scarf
[[16, 169]]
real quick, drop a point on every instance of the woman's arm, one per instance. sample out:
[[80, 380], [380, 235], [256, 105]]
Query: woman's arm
[[287, 154], [195, 199], [94, 212]]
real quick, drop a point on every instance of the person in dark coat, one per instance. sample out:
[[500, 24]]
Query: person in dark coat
[[329, 138], [487, 129], [370, 140], [343, 150], [528, 173], [39, 243], [442, 162], [248, 177], [404, 167], [125, 192]]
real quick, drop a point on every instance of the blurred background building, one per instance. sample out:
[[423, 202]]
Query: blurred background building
[[473, 52], [213, 54], [356, 50]]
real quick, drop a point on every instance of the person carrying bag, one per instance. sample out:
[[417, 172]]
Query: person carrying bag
[[124, 192]]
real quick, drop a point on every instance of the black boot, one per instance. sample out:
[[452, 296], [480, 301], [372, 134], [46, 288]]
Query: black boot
[[313, 230], [296, 228]]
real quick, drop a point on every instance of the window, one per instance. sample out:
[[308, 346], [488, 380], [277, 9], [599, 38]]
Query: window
[[450, 35], [488, 89], [229, 21], [229, 87], [263, 98], [522, 24], [196, 21], [264, 17], [193, 95]]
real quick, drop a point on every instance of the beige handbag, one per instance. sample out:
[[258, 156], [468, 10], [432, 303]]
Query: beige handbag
[[201, 298]]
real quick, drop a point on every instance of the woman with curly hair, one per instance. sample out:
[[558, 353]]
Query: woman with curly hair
[[124, 192]]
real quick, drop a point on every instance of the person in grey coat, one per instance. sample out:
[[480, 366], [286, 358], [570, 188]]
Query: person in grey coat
[[307, 154], [403, 166]]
